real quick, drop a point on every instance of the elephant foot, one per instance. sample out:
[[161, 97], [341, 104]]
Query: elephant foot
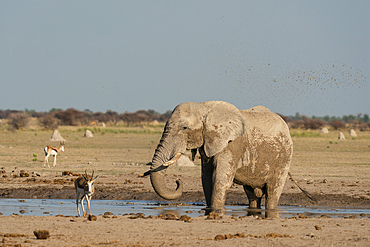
[[253, 205], [272, 213], [255, 213], [215, 212]]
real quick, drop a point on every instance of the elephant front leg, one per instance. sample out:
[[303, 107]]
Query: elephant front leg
[[223, 177], [207, 183]]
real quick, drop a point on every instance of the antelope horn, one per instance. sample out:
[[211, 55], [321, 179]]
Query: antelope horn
[[92, 175], [85, 176]]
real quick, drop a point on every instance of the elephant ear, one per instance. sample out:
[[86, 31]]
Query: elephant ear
[[223, 123]]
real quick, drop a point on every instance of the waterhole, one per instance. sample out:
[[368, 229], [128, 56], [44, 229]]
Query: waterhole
[[67, 207]]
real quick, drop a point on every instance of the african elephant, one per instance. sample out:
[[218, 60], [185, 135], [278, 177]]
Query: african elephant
[[250, 147]]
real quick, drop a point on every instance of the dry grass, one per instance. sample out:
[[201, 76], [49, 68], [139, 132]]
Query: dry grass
[[106, 150], [320, 155], [315, 155]]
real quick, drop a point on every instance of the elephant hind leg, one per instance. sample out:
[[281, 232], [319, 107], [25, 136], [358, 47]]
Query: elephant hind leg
[[273, 193], [272, 200], [253, 197]]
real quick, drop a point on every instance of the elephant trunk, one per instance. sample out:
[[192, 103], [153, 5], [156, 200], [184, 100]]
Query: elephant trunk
[[162, 158], [161, 188]]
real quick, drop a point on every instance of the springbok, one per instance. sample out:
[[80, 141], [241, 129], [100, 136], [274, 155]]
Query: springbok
[[50, 150], [85, 186]]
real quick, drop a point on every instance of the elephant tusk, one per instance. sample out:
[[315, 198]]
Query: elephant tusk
[[147, 172], [165, 165], [173, 160]]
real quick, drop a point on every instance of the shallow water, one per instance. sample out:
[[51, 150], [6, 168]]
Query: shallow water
[[67, 207]]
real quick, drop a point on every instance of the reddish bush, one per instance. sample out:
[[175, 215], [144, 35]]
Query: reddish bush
[[69, 117], [313, 123], [18, 120], [296, 124], [337, 124], [48, 122]]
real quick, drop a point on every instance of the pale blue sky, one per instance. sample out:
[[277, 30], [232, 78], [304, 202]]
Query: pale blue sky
[[311, 57]]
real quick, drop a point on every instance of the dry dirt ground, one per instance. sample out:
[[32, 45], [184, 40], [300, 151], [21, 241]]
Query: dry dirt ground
[[335, 172]]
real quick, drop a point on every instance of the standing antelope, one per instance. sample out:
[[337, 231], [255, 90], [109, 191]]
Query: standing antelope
[[50, 150], [85, 186]]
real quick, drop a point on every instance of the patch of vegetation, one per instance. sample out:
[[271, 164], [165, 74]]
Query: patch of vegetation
[[97, 130], [304, 134]]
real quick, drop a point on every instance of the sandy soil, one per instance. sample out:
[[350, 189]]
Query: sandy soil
[[200, 231]]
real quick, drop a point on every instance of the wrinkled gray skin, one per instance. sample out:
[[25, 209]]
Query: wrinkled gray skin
[[250, 147]]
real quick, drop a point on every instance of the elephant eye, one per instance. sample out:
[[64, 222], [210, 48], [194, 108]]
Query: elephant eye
[[185, 127]]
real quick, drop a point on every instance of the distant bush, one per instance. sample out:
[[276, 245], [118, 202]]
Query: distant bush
[[310, 123], [73, 117], [69, 117], [364, 126], [18, 120], [337, 124], [5, 114], [48, 122], [296, 124]]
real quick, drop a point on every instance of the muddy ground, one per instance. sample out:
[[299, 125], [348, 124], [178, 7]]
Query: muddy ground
[[141, 230], [327, 192]]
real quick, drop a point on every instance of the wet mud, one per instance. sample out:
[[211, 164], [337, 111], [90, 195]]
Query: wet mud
[[233, 197]]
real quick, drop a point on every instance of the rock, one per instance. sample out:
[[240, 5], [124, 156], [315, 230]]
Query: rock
[[318, 227], [24, 174], [56, 136], [92, 218], [324, 131], [184, 161], [66, 173], [341, 136], [36, 174], [41, 234], [185, 218], [220, 237], [88, 133], [352, 133]]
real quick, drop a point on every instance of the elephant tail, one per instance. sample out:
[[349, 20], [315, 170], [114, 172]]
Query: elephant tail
[[304, 191]]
